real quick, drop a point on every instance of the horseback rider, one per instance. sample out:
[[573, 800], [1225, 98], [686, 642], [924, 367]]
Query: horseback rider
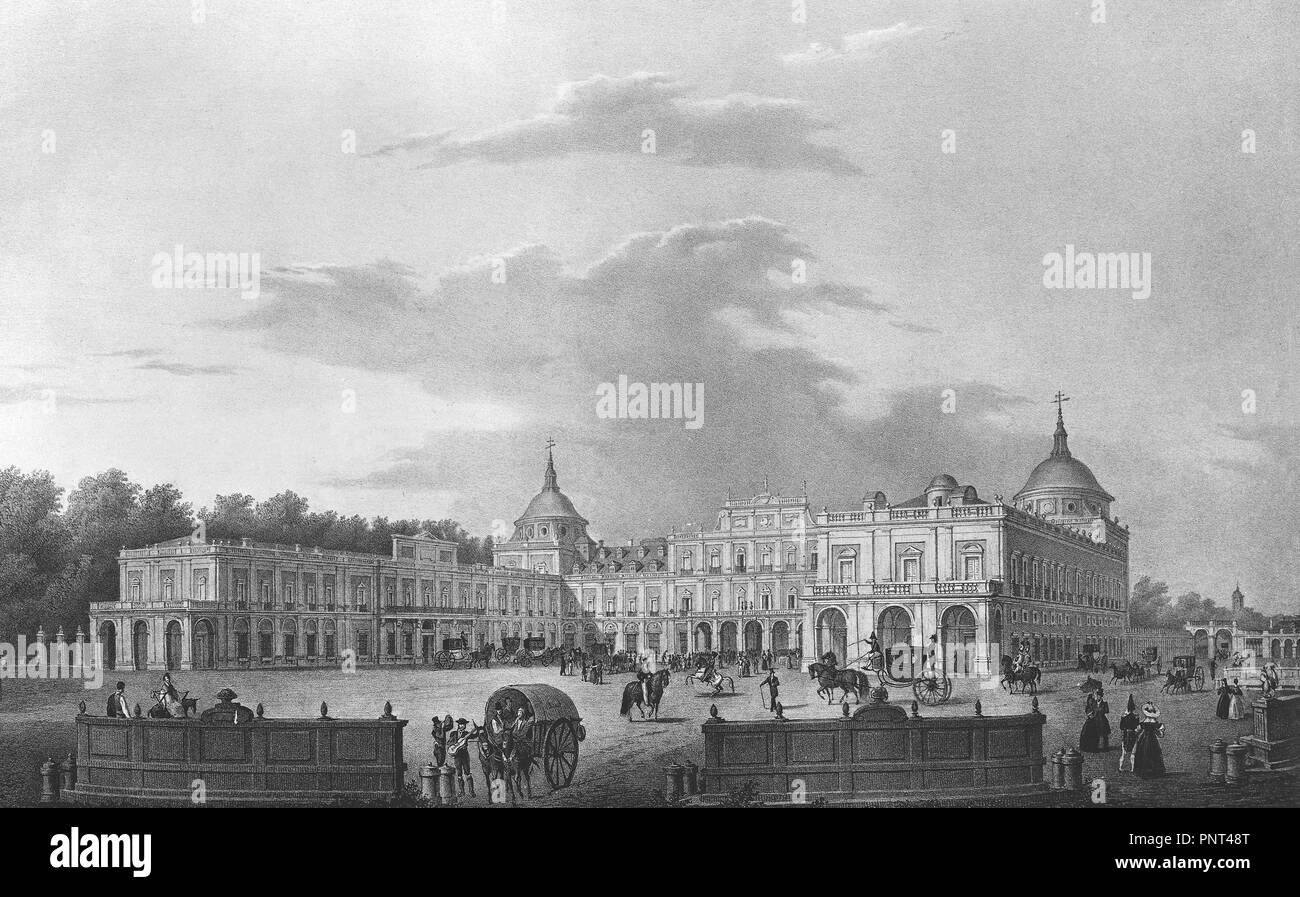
[[644, 677], [831, 660], [169, 689]]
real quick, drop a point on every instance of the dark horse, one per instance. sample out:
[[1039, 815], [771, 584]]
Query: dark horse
[[633, 694], [829, 678], [509, 759], [1028, 677], [1125, 671]]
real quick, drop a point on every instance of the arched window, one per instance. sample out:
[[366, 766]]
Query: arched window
[[767, 599], [714, 600], [847, 565], [790, 598], [715, 561], [740, 560]]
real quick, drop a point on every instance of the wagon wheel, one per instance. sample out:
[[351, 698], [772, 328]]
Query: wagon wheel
[[560, 753], [525, 660], [1200, 679], [932, 691], [442, 660], [502, 655]]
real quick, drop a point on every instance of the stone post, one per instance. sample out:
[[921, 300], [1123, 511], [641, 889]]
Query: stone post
[[49, 782], [1235, 769], [1073, 762], [429, 783], [675, 776], [447, 785], [1218, 761]]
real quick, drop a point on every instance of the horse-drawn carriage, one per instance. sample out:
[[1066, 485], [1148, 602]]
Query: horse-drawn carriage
[[556, 726], [1184, 674], [533, 651], [457, 651], [931, 686]]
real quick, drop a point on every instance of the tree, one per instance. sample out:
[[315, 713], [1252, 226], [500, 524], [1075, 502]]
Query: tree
[[160, 515], [35, 546]]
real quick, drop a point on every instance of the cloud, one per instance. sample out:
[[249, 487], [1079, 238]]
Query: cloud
[[618, 115], [184, 369], [51, 396], [861, 43], [707, 303]]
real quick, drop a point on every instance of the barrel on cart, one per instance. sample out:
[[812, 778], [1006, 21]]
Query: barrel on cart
[[557, 728]]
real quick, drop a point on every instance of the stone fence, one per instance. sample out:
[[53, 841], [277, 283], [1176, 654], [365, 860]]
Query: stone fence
[[231, 756], [879, 754]]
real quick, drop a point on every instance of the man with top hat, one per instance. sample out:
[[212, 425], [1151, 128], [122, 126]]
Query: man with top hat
[[441, 729], [1128, 734]]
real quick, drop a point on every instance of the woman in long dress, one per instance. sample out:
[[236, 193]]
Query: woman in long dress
[[1148, 759], [1237, 706], [1225, 698], [1095, 737]]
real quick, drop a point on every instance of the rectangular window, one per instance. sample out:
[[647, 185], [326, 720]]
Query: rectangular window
[[974, 567], [911, 569]]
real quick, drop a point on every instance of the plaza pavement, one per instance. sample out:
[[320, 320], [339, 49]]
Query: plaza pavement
[[621, 762]]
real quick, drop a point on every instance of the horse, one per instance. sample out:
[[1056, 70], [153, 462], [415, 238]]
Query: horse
[[1123, 671], [1175, 681], [634, 694], [508, 759], [710, 676], [165, 708], [829, 678], [1026, 677]]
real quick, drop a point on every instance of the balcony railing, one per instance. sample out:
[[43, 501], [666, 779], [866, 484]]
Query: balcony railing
[[889, 589]]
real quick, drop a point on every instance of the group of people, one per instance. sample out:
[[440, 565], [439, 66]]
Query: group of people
[[451, 740], [1139, 735]]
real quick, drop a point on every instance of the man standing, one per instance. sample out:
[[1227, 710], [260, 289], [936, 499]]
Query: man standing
[[117, 703], [773, 686], [459, 750], [1128, 734]]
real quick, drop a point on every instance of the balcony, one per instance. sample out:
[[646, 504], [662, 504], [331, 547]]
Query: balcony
[[890, 589], [764, 568]]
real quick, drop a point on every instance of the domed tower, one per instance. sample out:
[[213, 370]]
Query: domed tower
[[550, 536], [1062, 488], [1238, 600]]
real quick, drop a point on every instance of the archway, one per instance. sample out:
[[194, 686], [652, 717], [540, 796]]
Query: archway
[[266, 640], [108, 644], [1223, 643], [754, 637], [780, 637], [958, 640], [1201, 645], [727, 637], [241, 640], [894, 630], [832, 634], [202, 648], [703, 637], [140, 645]]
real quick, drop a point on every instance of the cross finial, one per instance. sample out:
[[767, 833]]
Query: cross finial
[[550, 443], [1058, 399]]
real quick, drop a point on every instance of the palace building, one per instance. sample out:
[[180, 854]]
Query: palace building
[[1049, 569]]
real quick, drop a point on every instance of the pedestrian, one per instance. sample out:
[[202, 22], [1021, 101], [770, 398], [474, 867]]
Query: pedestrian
[[1237, 704], [1148, 759], [1095, 736], [1128, 734], [773, 686], [584, 668], [1225, 699], [562, 659], [1213, 666]]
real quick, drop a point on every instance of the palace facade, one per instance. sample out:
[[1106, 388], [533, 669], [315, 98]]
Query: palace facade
[[1049, 569]]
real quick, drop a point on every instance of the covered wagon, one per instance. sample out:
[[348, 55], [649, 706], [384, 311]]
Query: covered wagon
[[557, 727]]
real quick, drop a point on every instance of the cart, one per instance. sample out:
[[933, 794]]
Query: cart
[[454, 651], [557, 728], [533, 651]]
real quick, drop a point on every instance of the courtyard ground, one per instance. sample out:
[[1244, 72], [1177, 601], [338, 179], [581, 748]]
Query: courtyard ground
[[621, 762]]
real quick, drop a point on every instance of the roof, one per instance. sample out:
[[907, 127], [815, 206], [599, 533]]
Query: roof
[[545, 701], [1061, 470], [550, 502]]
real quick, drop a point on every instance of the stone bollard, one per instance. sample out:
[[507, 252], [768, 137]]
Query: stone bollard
[[691, 780], [675, 779], [447, 785], [68, 775], [1073, 763], [1058, 769], [429, 783], [1235, 769], [49, 782], [1218, 761]]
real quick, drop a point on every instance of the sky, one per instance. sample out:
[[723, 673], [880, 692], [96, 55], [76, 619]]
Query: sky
[[469, 216]]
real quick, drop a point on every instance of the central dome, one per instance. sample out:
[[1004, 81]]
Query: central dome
[[550, 503], [1063, 473]]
